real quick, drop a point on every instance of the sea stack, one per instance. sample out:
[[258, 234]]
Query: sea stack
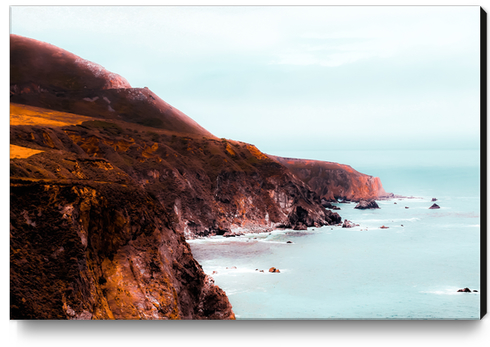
[[366, 204]]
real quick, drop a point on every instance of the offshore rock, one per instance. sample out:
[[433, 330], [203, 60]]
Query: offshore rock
[[366, 204], [434, 207], [348, 224]]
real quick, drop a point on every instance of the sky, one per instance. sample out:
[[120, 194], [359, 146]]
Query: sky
[[290, 77]]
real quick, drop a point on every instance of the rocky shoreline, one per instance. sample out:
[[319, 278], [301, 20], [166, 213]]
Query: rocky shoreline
[[109, 181]]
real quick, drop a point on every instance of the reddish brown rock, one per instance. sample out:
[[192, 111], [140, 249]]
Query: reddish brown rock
[[348, 224], [115, 181], [95, 252], [333, 181], [366, 204], [274, 270]]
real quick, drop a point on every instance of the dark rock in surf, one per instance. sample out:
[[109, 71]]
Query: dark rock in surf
[[232, 234], [434, 207], [300, 226], [348, 224], [366, 204]]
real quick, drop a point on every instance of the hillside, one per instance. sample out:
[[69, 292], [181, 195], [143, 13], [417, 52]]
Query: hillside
[[47, 76], [108, 181]]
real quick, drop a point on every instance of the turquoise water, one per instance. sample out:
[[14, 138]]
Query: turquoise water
[[411, 270]]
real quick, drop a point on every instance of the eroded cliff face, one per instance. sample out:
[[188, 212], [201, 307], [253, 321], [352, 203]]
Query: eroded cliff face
[[333, 181], [210, 186], [102, 251], [100, 211], [107, 182]]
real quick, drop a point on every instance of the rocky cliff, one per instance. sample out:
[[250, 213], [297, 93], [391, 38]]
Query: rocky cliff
[[99, 250], [333, 181], [107, 181]]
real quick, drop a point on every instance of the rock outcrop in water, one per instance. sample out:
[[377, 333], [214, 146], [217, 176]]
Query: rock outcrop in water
[[467, 290], [349, 224], [434, 207], [107, 182], [366, 204]]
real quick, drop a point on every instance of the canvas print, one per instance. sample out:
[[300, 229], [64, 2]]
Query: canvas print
[[245, 162]]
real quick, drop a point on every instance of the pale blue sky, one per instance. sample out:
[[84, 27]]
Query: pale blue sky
[[291, 78]]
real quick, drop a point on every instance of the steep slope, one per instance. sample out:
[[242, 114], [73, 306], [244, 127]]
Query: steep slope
[[47, 76], [94, 250], [107, 182], [333, 181], [211, 186]]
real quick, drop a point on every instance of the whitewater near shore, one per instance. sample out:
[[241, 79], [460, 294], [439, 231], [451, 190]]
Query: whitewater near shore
[[410, 270]]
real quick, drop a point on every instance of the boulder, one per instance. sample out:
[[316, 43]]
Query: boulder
[[434, 199], [289, 242], [300, 226], [434, 207], [465, 290], [232, 234], [274, 270], [383, 227], [366, 204], [406, 207], [329, 205], [348, 224]]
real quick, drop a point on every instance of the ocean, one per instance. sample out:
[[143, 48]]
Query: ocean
[[411, 270]]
